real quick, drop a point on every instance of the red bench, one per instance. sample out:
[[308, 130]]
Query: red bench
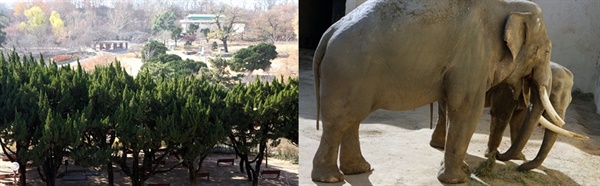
[[204, 174], [6, 175], [270, 172], [5, 158], [224, 161]]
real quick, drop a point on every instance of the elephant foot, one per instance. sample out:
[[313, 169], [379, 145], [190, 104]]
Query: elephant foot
[[489, 152], [529, 165], [437, 143], [327, 175], [454, 175], [504, 157], [355, 167], [520, 156]]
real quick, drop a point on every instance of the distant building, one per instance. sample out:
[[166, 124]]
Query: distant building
[[111, 45], [207, 21]]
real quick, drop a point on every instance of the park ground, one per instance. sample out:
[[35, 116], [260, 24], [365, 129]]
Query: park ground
[[396, 144], [224, 174], [286, 64]]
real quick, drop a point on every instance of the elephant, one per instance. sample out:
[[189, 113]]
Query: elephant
[[505, 110], [402, 54]]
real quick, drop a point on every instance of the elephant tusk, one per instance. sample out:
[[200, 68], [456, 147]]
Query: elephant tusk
[[549, 108], [561, 131]]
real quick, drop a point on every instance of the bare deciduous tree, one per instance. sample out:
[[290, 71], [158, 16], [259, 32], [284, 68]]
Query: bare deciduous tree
[[275, 24], [120, 17], [225, 19]]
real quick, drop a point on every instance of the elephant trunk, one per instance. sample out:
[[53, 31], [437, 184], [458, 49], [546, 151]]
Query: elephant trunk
[[526, 128], [549, 139]]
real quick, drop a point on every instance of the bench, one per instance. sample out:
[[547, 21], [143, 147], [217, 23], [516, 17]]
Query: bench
[[270, 172], [159, 184], [5, 158], [224, 161], [6, 175], [203, 174]]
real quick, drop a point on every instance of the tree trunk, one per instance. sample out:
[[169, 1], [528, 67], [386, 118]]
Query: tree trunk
[[111, 176], [23, 175], [22, 165], [249, 171], [49, 171], [243, 160], [261, 153], [192, 173], [135, 175], [109, 167], [225, 44]]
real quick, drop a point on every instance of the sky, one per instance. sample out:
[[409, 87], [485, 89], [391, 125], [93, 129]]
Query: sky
[[249, 4]]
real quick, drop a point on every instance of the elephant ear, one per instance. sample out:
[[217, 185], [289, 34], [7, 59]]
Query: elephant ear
[[515, 31]]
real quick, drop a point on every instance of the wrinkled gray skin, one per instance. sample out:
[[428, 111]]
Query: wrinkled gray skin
[[505, 110], [400, 55]]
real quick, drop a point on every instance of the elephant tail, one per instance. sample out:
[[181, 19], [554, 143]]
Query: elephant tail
[[318, 57], [430, 115]]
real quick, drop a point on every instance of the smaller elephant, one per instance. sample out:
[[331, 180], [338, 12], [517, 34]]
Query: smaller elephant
[[505, 110]]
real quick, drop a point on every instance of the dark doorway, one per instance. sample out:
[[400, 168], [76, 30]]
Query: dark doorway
[[315, 17]]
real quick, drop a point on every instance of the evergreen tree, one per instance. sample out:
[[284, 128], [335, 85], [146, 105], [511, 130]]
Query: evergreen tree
[[52, 112], [105, 87], [254, 57], [153, 49], [261, 112]]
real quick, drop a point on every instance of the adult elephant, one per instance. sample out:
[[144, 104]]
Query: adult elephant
[[505, 110], [401, 54]]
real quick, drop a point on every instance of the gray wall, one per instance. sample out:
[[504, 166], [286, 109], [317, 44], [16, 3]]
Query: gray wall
[[574, 28]]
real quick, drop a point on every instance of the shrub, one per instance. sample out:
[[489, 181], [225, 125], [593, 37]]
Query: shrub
[[254, 57], [165, 58], [214, 46], [153, 49]]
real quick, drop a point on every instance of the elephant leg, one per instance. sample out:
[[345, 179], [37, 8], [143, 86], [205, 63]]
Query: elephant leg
[[531, 119], [464, 111], [515, 125], [341, 119], [497, 127], [325, 167], [351, 159], [502, 107], [438, 138]]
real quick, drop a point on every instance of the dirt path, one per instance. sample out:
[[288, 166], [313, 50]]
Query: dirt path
[[396, 144], [219, 175]]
